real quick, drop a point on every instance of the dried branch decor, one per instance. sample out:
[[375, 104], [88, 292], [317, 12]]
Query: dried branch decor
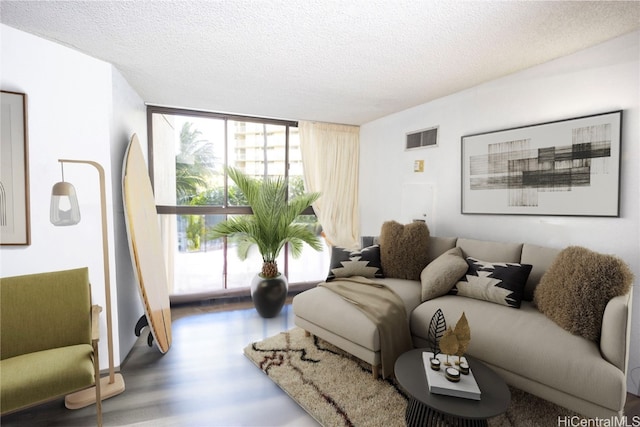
[[437, 328], [449, 344], [455, 341], [463, 334]]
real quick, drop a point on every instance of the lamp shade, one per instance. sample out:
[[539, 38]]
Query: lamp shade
[[64, 205]]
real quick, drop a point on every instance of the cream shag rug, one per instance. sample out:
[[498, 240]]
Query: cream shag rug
[[339, 390]]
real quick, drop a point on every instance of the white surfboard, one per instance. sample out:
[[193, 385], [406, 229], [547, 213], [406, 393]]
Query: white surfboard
[[145, 244]]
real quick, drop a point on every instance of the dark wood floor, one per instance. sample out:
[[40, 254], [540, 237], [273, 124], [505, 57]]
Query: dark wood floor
[[204, 379], [632, 409]]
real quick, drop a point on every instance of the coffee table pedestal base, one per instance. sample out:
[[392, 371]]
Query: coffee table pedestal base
[[419, 415]]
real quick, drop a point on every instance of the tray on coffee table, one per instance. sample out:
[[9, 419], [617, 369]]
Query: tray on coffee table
[[466, 387]]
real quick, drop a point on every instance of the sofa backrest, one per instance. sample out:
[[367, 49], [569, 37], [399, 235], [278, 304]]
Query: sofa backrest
[[44, 310], [440, 245], [540, 258], [487, 250]]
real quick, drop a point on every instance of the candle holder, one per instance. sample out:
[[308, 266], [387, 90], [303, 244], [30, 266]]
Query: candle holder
[[452, 374], [435, 364]]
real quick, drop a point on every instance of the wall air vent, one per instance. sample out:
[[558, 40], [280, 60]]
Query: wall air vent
[[422, 138]]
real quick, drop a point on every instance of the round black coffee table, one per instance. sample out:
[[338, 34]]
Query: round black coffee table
[[426, 408]]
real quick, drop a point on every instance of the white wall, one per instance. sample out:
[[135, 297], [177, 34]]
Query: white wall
[[129, 116], [600, 79], [78, 108]]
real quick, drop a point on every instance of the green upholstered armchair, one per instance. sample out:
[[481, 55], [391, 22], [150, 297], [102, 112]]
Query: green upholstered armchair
[[49, 345]]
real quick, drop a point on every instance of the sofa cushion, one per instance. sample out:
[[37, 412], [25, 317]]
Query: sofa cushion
[[499, 282], [540, 258], [330, 311], [404, 249], [441, 274], [38, 376], [490, 251], [577, 287], [529, 344], [363, 262]]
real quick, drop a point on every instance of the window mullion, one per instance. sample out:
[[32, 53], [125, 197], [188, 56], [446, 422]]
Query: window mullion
[[225, 203]]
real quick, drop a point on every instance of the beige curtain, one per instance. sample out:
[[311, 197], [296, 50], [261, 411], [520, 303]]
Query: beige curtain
[[330, 156]]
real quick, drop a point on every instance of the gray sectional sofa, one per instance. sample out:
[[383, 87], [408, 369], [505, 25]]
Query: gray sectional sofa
[[528, 349]]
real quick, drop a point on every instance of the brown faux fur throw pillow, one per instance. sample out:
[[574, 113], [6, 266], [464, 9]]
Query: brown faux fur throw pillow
[[403, 249], [576, 288]]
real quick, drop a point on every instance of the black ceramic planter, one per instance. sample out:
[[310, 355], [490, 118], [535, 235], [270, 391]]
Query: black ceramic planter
[[269, 295]]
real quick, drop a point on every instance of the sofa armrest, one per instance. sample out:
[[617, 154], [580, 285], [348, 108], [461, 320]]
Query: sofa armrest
[[95, 317], [616, 325]]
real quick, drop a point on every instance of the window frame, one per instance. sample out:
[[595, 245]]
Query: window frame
[[226, 209]]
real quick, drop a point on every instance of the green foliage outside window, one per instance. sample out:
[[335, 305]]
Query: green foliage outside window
[[196, 176]]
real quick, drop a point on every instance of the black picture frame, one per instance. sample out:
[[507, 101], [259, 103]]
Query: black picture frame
[[567, 167]]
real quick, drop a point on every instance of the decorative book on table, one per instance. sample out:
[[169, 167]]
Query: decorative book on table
[[467, 387]]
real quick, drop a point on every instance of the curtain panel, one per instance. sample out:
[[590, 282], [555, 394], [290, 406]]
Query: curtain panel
[[331, 156]]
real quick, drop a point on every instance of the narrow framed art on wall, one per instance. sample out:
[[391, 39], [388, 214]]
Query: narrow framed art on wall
[[567, 167], [14, 170]]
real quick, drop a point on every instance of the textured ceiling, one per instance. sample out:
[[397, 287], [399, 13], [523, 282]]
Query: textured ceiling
[[348, 61]]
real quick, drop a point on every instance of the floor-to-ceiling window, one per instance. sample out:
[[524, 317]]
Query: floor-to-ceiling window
[[188, 152]]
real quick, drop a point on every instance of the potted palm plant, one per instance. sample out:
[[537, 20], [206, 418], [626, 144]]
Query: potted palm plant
[[271, 226]]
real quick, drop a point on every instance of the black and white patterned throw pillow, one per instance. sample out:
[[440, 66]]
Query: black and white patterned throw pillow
[[364, 262], [499, 282]]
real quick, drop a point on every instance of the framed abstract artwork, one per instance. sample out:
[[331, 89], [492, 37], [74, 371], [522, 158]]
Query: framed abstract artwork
[[565, 167], [14, 170]]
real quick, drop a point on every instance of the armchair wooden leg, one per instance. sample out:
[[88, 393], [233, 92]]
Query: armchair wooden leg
[[307, 333], [96, 368], [376, 371]]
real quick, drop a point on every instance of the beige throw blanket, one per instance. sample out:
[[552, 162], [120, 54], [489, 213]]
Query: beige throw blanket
[[384, 308]]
